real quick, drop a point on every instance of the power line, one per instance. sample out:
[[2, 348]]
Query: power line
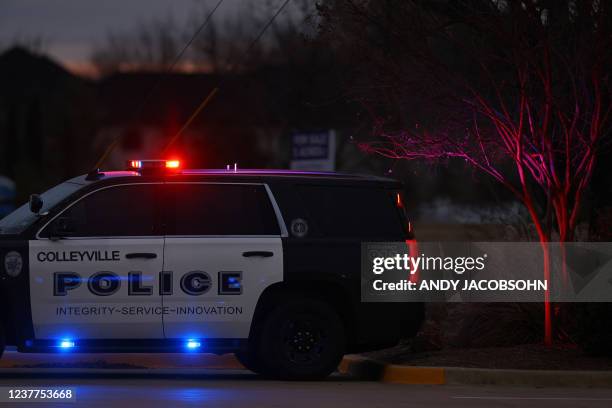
[[261, 33], [156, 85], [214, 91]]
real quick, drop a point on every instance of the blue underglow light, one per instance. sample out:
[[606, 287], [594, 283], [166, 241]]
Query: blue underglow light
[[193, 344], [66, 344]]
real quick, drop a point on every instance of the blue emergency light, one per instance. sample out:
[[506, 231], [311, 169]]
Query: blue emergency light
[[66, 344], [193, 344]]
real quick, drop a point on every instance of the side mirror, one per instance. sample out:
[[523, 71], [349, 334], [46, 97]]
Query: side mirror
[[62, 227], [36, 203]]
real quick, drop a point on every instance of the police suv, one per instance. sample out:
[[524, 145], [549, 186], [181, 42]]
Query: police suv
[[264, 264]]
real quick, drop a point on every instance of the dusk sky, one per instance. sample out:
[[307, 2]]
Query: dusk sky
[[70, 28]]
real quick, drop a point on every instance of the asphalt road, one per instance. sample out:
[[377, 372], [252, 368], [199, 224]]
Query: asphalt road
[[238, 388], [205, 380]]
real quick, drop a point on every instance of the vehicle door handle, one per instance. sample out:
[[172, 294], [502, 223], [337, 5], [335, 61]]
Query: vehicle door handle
[[143, 255], [263, 254]]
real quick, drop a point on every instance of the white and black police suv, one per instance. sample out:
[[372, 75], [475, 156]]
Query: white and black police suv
[[265, 264]]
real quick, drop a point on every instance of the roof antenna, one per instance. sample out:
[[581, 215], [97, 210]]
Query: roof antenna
[[95, 174]]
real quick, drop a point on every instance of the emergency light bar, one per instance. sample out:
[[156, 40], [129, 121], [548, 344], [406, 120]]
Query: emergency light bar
[[153, 165]]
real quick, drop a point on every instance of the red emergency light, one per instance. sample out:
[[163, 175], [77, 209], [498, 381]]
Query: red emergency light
[[173, 164]]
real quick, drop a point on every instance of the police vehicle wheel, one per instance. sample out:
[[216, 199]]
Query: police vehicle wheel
[[302, 339]]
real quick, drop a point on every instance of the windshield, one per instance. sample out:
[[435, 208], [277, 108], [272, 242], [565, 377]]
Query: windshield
[[20, 219]]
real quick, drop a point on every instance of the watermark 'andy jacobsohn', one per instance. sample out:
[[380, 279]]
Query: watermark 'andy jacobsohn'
[[458, 265], [463, 285], [485, 272]]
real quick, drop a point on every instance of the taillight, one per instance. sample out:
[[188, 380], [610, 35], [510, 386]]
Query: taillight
[[401, 206], [399, 201]]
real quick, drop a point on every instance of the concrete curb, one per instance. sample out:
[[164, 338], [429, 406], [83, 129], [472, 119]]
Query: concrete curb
[[373, 370]]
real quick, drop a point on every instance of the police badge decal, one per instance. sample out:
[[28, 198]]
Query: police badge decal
[[299, 227], [13, 263]]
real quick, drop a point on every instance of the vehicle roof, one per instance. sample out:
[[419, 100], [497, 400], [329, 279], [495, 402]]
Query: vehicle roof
[[250, 174]]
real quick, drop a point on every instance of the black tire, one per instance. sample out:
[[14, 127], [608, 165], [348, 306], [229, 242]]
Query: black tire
[[301, 339]]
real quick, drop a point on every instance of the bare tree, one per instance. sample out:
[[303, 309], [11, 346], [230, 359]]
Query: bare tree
[[519, 90], [152, 46], [221, 46]]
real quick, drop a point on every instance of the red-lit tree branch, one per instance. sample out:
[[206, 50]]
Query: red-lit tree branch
[[519, 90]]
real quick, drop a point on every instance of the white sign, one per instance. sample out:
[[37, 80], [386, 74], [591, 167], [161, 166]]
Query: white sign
[[314, 151]]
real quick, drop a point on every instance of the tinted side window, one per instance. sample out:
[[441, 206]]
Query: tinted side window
[[352, 212], [220, 209], [116, 211]]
